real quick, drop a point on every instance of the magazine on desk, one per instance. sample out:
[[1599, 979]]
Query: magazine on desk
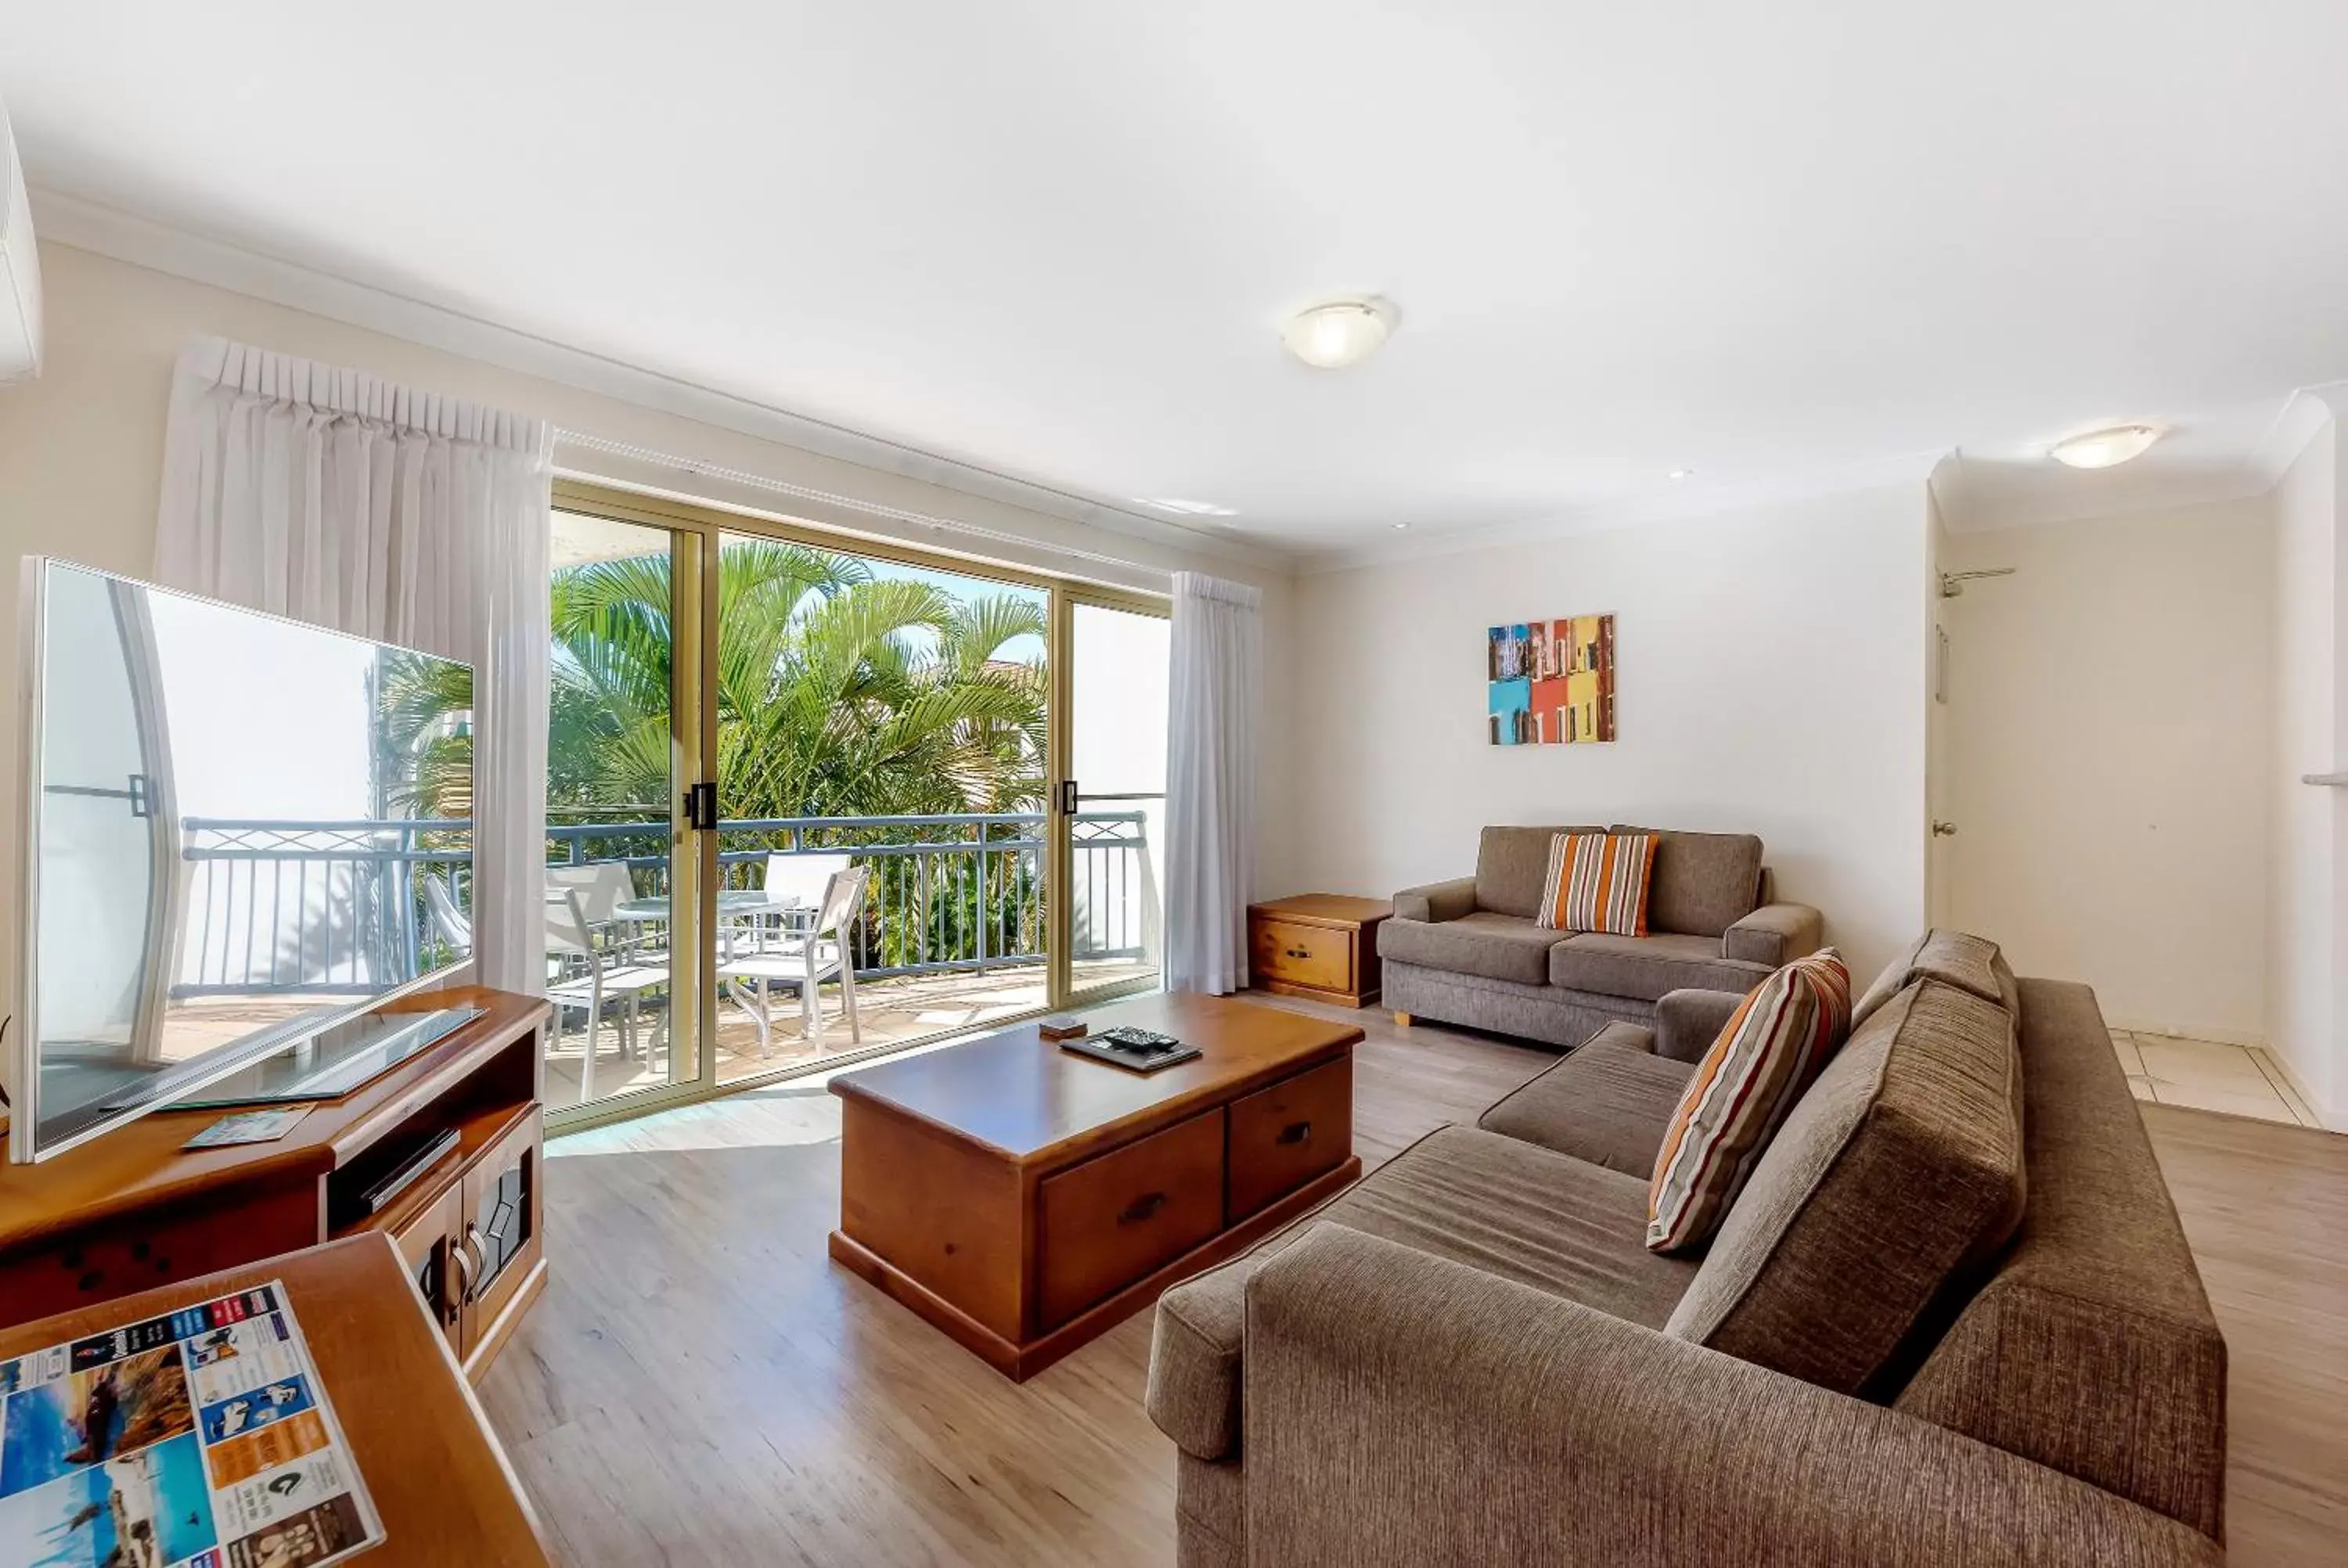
[[198, 1440]]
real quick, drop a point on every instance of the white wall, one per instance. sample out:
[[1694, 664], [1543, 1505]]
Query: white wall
[[2303, 971], [1770, 670], [2109, 746], [81, 459]]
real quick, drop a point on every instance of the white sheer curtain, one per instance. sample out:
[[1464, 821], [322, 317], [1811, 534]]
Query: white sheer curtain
[[1211, 750], [334, 498]]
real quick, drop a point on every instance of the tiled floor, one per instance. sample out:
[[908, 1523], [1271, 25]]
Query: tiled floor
[[2206, 1075]]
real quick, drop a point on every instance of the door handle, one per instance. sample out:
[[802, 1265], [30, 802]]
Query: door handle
[[477, 1269], [1296, 1133], [1141, 1208], [1944, 830], [701, 806], [459, 1254], [1067, 797]]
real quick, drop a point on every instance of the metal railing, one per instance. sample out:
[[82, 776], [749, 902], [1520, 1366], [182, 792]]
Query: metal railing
[[339, 907]]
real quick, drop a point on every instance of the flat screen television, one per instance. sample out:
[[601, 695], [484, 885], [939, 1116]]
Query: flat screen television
[[241, 835]]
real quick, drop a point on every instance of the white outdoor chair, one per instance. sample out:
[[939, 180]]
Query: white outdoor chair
[[806, 959], [797, 882], [447, 918], [607, 973]]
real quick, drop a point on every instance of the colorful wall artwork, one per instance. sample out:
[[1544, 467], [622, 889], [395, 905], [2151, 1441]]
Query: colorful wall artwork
[[1552, 682]]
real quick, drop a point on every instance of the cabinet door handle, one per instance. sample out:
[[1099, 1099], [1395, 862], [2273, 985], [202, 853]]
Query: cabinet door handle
[[461, 1255], [477, 1269], [1296, 1133], [1141, 1208]]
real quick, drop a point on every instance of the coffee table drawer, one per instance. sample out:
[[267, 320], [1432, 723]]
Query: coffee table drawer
[[1111, 1220], [1283, 1136], [1304, 955]]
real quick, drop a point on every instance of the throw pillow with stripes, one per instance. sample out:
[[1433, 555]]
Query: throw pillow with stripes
[[1597, 882], [1742, 1091]]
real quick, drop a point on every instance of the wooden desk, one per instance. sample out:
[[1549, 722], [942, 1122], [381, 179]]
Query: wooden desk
[[1025, 1199], [440, 1482], [132, 1210]]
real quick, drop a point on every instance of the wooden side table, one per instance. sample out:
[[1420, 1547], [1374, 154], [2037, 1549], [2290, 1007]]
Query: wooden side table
[[1324, 946]]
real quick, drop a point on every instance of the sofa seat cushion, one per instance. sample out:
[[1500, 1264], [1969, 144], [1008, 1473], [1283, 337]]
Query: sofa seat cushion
[[1704, 883], [1500, 946], [1608, 1102], [1648, 967], [1510, 1208], [1900, 1169], [1510, 864]]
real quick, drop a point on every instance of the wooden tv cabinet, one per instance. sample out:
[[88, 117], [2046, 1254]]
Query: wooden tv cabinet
[[131, 1211]]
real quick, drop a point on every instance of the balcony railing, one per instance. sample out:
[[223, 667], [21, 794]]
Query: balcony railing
[[339, 907]]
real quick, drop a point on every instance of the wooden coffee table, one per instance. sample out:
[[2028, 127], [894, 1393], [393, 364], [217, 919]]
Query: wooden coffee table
[[1025, 1199]]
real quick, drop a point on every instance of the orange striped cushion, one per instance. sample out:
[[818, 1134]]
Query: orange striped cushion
[[1743, 1089], [1597, 882]]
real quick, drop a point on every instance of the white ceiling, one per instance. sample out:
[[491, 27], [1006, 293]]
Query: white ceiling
[[1056, 240]]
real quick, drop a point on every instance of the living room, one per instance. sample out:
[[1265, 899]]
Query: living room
[[1515, 584]]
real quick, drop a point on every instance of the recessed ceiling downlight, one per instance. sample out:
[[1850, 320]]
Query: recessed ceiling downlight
[[1339, 332], [2105, 448]]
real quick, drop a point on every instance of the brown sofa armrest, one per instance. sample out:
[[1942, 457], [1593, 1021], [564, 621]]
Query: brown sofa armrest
[[1403, 1408], [1437, 900], [1688, 1021], [1775, 934]]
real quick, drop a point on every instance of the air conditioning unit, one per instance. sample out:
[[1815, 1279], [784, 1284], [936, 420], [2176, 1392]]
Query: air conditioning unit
[[20, 268]]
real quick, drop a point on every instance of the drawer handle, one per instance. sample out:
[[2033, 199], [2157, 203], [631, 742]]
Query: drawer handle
[[1296, 1133], [1141, 1208]]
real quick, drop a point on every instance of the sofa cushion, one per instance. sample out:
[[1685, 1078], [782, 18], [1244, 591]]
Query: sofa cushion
[[2092, 1347], [1766, 1055], [1597, 882], [1648, 967], [1955, 958], [1507, 1207], [1900, 1167], [1510, 865], [1503, 947], [1704, 882], [1608, 1102]]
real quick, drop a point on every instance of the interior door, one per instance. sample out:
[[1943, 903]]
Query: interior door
[[1111, 806]]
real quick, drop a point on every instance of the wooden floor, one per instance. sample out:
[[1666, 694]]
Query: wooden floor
[[701, 1385]]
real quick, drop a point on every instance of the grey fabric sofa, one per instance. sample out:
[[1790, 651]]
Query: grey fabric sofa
[[1950, 1319], [1469, 952]]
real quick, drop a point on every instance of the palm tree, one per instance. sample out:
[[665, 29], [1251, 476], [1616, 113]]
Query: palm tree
[[837, 695]]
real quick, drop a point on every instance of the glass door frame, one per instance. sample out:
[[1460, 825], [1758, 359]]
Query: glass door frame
[[1062, 808], [694, 742], [691, 854]]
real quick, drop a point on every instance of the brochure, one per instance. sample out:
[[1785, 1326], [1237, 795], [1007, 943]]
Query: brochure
[[200, 1440]]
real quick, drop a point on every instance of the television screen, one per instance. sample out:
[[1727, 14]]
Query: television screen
[[241, 830]]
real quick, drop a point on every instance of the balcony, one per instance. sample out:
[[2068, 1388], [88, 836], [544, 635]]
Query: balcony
[[951, 935]]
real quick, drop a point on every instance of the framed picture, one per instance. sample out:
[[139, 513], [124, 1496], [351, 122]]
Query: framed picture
[[1552, 683]]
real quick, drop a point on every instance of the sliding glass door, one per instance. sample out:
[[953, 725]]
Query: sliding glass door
[[812, 797], [1113, 799], [621, 883], [883, 725]]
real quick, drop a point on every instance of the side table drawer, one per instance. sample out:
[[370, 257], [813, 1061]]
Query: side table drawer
[[1303, 955], [1111, 1220], [1283, 1136]]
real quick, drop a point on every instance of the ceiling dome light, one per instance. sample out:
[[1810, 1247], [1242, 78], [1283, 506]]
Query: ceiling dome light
[[2105, 448], [1341, 332]]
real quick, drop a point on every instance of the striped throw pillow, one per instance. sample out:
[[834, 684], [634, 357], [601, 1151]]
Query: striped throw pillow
[[1742, 1091], [1597, 882]]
